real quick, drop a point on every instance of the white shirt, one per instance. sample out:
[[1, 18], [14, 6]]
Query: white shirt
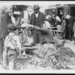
[[9, 43], [36, 14]]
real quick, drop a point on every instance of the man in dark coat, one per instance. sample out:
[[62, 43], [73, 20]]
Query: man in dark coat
[[36, 19], [1, 35], [4, 20]]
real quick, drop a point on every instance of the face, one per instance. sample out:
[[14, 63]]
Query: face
[[36, 10]]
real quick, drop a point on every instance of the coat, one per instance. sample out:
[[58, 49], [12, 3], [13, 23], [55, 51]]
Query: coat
[[71, 22], [1, 33], [74, 28], [5, 21], [41, 18]]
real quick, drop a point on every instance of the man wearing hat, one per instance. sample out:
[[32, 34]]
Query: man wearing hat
[[3, 30], [4, 21], [36, 19]]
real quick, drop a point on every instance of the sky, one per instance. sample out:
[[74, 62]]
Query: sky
[[42, 4]]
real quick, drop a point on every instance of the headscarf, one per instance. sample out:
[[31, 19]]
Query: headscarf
[[48, 25]]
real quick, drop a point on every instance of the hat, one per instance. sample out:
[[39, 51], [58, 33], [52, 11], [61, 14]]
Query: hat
[[36, 7], [11, 27]]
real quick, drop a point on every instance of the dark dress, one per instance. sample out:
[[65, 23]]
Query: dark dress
[[67, 29], [71, 23]]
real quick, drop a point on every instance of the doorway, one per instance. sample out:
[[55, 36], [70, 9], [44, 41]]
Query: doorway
[[72, 11], [60, 12]]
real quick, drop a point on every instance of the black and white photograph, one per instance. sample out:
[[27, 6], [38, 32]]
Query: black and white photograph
[[37, 36]]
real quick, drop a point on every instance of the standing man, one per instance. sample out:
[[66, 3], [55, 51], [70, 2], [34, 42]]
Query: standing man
[[1, 34], [36, 19], [4, 20]]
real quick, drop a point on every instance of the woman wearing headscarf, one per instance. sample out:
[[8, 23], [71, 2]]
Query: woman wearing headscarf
[[47, 39]]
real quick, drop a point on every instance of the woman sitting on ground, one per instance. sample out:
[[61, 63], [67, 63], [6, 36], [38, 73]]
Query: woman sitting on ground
[[47, 39]]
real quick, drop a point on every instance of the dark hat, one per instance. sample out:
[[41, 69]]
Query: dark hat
[[11, 27], [36, 7]]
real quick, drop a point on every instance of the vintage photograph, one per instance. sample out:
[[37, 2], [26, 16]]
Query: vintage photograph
[[37, 35]]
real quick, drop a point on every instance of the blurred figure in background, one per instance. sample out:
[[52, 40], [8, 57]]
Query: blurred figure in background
[[13, 20], [63, 27], [58, 20], [18, 18], [4, 21], [71, 23], [1, 33], [67, 27], [59, 27], [53, 20], [74, 32]]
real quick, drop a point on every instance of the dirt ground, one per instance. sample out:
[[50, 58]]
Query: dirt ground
[[34, 66]]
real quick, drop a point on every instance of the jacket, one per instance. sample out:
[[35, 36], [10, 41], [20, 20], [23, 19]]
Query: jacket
[[41, 18]]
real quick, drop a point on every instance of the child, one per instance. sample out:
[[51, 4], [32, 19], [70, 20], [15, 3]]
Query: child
[[12, 47]]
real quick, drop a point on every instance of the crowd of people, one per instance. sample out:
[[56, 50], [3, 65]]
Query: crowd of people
[[15, 32], [64, 24]]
